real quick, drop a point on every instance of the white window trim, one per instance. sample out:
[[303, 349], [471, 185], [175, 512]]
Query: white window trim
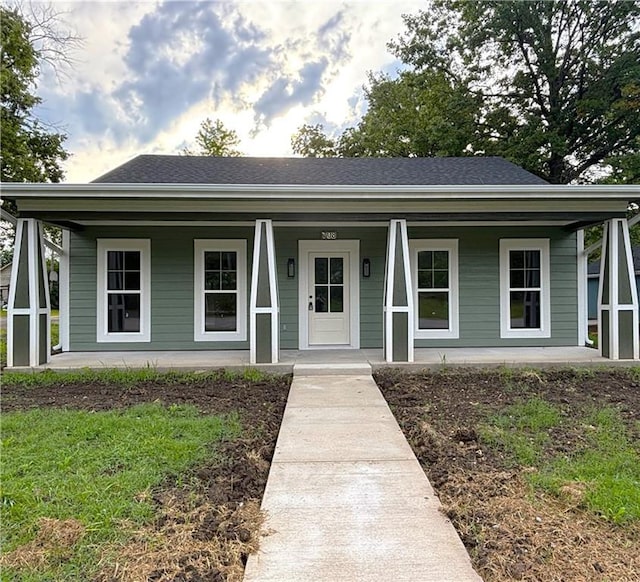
[[433, 244], [211, 245], [124, 244], [525, 244]]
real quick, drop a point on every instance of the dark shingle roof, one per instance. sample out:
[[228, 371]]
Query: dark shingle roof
[[594, 267], [159, 169]]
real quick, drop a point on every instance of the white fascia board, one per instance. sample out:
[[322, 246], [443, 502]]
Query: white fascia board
[[298, 191]]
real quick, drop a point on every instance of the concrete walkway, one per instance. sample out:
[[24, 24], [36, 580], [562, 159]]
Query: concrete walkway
[[346, 498]]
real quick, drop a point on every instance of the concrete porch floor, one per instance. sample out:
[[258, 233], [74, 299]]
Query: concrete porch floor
[[325, 360]]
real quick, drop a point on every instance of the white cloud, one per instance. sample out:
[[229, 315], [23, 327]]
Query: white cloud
[[150, 72]]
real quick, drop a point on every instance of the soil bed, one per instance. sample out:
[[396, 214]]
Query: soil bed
[[209, 521], [512, 531]]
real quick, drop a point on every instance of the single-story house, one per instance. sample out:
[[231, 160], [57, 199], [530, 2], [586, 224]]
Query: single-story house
[[269, 254], [594, 281]]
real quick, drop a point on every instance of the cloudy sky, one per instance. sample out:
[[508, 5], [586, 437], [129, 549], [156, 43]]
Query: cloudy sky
[[148, 73]]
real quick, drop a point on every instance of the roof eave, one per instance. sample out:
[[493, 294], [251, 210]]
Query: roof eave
[[298, 191]]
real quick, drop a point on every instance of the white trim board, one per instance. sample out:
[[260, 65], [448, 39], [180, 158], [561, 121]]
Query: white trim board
[[121, 244], [200, 246], [530, 244]]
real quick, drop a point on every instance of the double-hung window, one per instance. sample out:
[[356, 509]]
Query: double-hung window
[[524, 288], [124, 290], [434, 268], [220, 290]]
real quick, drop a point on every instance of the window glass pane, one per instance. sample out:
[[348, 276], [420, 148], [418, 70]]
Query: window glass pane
[[336, 296], [229, 261], [123, 312], [525, 309], [440, 260], [425, 279], [532, 278], [516, 278], [336, 270], [212, 261], [433, 310], [322, 298], [532, 259], [132, 281], [516, 259], [115, 281], [115, 260], [322, 270], [229, 280], [441, 279], [220, 312], [132, 260], [425, 260], [212, 281]]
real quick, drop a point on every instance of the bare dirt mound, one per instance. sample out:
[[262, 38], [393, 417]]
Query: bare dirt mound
[[512, 532]]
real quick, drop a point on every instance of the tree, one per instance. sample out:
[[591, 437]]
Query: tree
[[310, 141], [558, 82], [214, 139], [28, 152], [415, 114]]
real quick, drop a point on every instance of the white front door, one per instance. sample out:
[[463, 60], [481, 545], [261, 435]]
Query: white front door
[[329, 298]]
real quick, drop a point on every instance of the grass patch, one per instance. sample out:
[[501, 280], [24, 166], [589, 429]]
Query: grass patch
[[95, 470], [606, 472], [522, 430], [602, 475], [129, 377]]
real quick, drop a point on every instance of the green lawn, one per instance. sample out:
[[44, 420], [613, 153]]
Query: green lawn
[[96, 468], [605, 467]]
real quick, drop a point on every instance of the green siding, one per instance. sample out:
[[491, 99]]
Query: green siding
[[172, 292], [479, 280], [172, 283], [373, 241]]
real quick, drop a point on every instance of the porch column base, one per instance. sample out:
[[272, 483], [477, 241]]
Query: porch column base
[[618, 333], [28, 311]]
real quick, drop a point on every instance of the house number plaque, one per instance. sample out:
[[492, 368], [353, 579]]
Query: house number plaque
[[329, 235]]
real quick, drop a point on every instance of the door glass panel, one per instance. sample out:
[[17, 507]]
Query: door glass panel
[[220, 312], [336, 271], [441, 260], [321, 270], [229, 261], [123, 312], [337, 301], [229, 280], [322, 298], [425, 260], [433, 310]]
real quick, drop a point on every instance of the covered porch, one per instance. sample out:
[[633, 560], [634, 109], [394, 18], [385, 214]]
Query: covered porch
[[333, 361]]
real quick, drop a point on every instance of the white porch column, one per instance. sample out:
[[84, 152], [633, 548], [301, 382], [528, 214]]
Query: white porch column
[[617, 295], [29, 311], [398, 296], [264, 304], [63, 292], [583, 309]]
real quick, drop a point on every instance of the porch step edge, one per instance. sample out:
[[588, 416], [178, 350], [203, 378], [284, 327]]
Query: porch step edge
[[332, 369]]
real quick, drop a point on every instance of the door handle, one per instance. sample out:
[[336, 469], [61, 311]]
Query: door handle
[[310, 302]]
